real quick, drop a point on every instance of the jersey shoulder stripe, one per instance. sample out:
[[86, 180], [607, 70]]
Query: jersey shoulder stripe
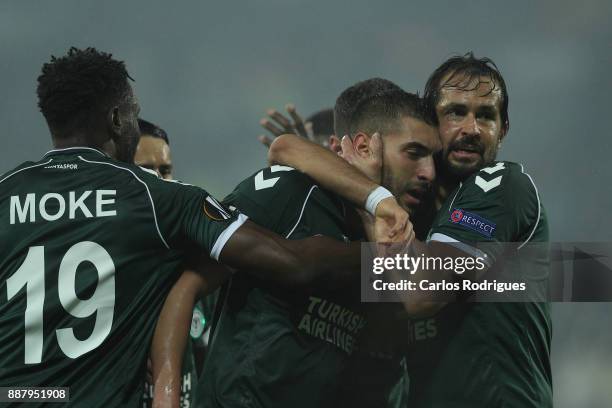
[[301, 211], [161, 237], [20, 169], [539, 216]]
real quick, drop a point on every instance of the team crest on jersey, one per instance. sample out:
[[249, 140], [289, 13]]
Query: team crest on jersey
[[472, 221], [214, 210], [198, 322]]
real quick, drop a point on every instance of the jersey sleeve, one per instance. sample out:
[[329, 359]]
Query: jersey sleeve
[[187, 215], [287, 202], [499, 204]]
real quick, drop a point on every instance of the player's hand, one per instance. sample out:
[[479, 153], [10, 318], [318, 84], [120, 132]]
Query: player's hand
[[392, 223], [370, 165], [278, 124]]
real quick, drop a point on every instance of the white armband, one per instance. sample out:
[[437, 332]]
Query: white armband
[[375, 197]]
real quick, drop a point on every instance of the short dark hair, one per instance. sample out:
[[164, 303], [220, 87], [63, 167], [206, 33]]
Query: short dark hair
[[375, 104], [72, 87], [469, 68], [322, 125], [351, 98], [150, 129]]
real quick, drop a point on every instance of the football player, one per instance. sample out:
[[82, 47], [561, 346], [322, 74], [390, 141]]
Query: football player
[[153, 150], [467, 354], [277, 348], [167, 344], [153, 153]]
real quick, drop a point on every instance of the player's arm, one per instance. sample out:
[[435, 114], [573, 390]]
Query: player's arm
[[304, 262], [189, 215], [337, 175], [422, 303], [172, 330], [322, 165]]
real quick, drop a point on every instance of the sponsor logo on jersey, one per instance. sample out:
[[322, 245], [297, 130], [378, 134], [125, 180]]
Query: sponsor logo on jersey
[[214, 210], [333, 323], [472, 221], [63, 166]]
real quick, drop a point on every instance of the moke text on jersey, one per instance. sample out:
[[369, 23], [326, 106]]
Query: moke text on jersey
[[54, 206]]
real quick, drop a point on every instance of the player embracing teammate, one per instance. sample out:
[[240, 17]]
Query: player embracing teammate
[[465, 354], [92, 244]]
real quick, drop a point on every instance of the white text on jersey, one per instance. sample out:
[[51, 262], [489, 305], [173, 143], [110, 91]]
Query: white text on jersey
[[26, 210]]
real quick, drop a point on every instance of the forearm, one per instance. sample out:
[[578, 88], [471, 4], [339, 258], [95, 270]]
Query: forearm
[[418, 302], [329, 263], [329, 170], [255, 250], [170, 339]]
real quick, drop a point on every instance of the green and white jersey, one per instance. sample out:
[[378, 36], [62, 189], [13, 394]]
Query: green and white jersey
[[486, 354], [272, 347], [89, 250]]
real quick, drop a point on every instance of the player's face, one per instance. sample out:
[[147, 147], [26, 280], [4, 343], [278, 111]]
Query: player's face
[[408, 162], [129, 132], [154, 153], [470, 125]]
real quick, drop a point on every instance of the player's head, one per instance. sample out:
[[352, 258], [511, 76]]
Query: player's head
[[153, 151], [322, 126], [86, 98], [467, 97], [352, 97], [409, 141]]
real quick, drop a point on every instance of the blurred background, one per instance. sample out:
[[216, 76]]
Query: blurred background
[[207, 71]]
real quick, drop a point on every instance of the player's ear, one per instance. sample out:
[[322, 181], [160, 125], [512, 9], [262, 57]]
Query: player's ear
[[504, 130], [334, 144], [502, 134], [113, 119], [361, 143]]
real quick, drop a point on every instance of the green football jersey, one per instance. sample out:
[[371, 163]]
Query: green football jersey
[[476, 354], [272, 347], [89, 250]]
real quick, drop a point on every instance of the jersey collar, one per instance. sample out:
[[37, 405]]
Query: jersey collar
[[74, 150]]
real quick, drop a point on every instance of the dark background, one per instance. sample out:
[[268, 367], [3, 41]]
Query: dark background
[[206, 72]]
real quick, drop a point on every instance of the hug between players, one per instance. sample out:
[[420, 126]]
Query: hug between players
[[133, 289]]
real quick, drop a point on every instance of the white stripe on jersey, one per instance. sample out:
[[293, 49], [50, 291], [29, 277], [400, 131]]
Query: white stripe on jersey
[[67, 149], [26, 168], [146, 187], [302, 211], [226, 235], [475, 252], [450, 208], [539, 210]]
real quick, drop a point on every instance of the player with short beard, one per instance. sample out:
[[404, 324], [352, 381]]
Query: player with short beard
[[319, 128], [499, 355], [476, 354], [277, 348]]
